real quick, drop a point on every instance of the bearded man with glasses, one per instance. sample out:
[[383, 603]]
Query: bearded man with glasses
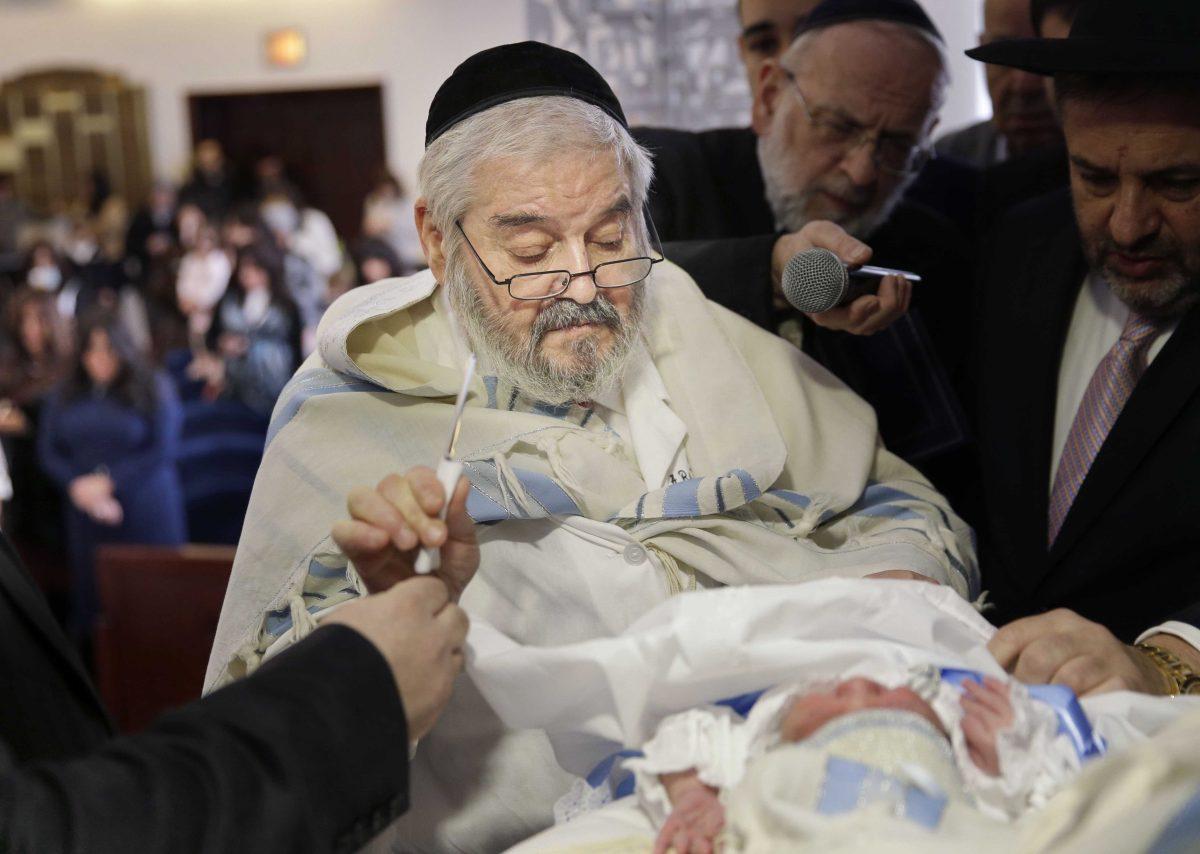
[[625, 439], [842, 125]]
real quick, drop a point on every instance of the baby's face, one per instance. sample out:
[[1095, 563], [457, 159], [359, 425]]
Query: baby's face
[[812, 711]]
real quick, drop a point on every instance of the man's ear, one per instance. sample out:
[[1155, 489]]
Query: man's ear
[[431, 239], [771, 80]]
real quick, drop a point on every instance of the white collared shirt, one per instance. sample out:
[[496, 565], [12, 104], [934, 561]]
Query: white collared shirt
[[640, 412]]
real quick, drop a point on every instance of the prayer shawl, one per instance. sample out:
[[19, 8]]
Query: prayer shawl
[[790, 482]]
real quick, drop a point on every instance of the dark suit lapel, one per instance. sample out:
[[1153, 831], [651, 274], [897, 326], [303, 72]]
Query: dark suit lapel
[[31, 605], [1053, 277], [1170, 381]]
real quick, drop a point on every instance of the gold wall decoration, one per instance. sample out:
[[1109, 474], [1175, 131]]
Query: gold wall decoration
[[59, 127]]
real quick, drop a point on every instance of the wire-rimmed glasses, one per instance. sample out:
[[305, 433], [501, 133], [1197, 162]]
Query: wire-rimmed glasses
[[892, 154], [547, 284]]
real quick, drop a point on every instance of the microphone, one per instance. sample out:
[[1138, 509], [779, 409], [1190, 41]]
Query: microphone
[[816, 280]]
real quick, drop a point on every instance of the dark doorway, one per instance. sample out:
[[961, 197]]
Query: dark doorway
[[331, 141]]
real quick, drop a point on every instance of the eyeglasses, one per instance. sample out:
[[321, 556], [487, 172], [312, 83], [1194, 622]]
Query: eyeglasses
[[893, 155], [550, 283]]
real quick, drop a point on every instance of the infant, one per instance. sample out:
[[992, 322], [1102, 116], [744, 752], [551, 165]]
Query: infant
[[917, 741]]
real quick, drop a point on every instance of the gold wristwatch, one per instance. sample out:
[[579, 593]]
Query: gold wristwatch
[[1179, 674]]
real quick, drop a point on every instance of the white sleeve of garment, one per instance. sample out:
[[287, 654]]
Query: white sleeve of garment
[[317, 241], [217, 271], [1187, 633], [713, 740], [6, 488], [901, 522], [186, 279]]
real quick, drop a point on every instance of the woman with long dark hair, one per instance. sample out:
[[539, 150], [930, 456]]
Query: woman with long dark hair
[[254, 340], [109, 436], [35, 355], [37, 348]]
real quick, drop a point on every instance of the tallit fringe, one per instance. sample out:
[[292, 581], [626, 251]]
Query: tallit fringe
[[303, 623], [679, 579], [249, 656], [511, 490], [549, 445], [356, 580]]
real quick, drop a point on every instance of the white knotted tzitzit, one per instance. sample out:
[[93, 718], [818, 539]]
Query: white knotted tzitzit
[[1109, 389]]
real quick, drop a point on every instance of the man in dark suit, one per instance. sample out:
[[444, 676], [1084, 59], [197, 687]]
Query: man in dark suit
[[1089, 354], [152, 232], [1022, 120], [1018, 179], [310, 753], [842, 122]]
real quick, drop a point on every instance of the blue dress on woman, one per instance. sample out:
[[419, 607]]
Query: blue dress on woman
[[98, 433]]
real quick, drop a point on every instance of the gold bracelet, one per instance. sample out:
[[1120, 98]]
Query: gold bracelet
[[1180, 676]]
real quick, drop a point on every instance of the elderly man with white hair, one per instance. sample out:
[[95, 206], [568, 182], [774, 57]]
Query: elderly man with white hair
[[842, 126], [626, 439]]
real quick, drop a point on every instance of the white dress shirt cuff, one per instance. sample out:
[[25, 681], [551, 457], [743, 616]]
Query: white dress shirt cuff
[[1187, 633]]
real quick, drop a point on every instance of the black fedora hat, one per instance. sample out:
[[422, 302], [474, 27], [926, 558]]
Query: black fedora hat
[[1144, 37]]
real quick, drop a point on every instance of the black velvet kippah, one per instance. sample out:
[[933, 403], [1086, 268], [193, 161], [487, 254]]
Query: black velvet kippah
[[844, 11], [512, 71]]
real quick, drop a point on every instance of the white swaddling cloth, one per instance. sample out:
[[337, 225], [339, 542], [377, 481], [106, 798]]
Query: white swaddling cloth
[[602, 696]]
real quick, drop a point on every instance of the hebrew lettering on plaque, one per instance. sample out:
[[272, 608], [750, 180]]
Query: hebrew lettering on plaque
[[673, 63]]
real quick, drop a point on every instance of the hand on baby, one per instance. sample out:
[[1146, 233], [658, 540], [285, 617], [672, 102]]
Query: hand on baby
[[987, 711], [696, 819]]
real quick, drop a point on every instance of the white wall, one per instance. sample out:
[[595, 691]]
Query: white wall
[[960, 22], [177, 47]]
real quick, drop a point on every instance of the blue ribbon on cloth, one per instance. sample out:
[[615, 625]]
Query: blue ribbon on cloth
[[609, 773], [742, 703], [1072, 721]]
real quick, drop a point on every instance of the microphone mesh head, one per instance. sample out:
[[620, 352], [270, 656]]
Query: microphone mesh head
[[814, 280]]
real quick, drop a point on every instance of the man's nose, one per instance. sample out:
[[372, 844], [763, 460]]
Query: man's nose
[[859, 163], [1028, 84], [582, 287], [1134, 216]]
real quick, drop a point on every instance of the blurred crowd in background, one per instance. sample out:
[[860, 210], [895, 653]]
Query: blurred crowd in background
[[144, 344]]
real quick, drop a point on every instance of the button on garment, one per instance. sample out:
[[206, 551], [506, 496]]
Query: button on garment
[[634, 554]]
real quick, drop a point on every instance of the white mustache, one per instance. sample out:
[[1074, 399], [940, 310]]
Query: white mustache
[[564, 313]]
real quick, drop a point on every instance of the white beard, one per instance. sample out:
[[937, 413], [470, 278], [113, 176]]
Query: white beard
[[790, 207], [521, 361]]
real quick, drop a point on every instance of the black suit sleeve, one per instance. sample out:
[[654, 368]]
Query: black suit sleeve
[[308, 754], [734, 272]]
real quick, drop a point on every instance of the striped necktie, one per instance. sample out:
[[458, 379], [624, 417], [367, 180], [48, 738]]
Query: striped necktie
[[1109, 389]]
